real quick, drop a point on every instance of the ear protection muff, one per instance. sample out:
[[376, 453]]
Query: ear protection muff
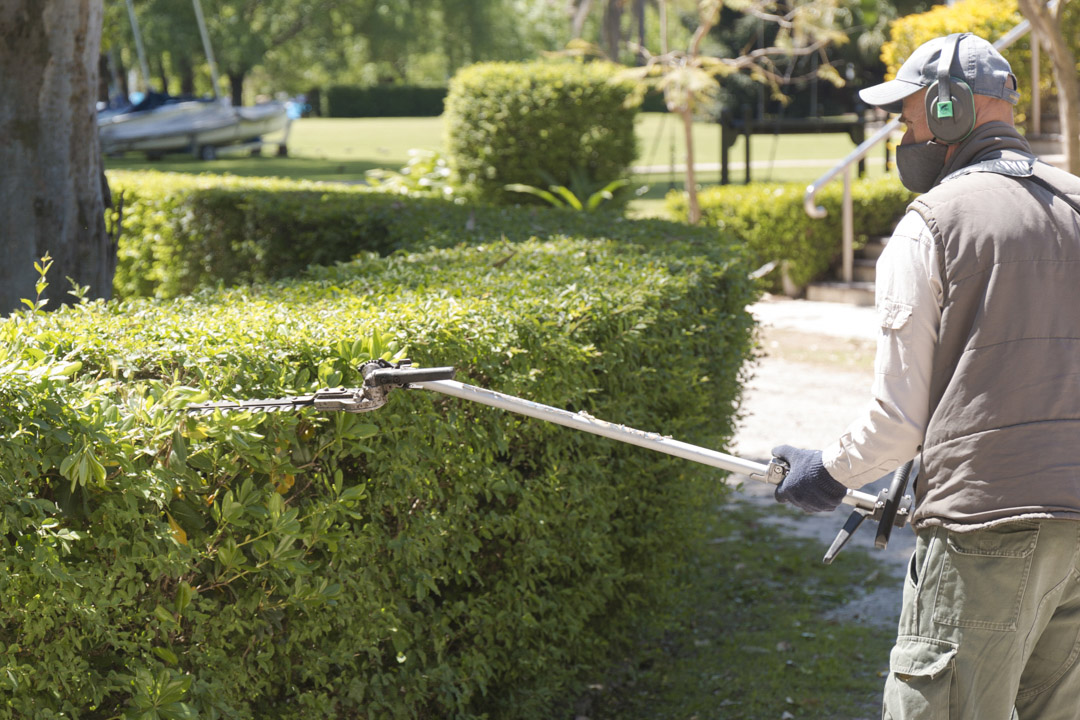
[[950, 102]]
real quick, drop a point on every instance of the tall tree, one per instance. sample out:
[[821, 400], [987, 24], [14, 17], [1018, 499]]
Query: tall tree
[[611, 30], [1046, 22], [242, 32], [169, 29], [579, 12], [52, 187]]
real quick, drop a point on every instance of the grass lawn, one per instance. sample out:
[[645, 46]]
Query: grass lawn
[[342, 149], [750, 636]]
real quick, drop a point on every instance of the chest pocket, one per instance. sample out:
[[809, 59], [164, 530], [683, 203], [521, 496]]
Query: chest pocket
[[895, 334]]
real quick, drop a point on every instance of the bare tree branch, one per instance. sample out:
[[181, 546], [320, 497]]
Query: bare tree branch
[[580, 13]]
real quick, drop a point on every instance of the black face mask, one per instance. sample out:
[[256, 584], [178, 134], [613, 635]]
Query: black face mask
[[920, 164]]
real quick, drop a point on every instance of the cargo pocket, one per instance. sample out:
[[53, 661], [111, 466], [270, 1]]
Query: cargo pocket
[[921, 680], [984, 575], [894, 318]]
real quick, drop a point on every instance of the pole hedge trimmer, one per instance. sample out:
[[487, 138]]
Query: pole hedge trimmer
[[890, 508]]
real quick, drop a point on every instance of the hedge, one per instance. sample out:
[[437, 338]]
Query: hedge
[[431, 559], [414, 101], [990, 21], [540, 124], [182, 232], [770, 221], [384, 101]]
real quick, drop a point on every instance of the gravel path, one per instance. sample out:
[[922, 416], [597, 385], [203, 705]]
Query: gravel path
[[812, 380]]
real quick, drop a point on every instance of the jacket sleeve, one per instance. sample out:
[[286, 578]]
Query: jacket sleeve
[[889, 431]]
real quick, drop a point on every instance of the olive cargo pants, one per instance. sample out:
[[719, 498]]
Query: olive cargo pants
[[990, 626]]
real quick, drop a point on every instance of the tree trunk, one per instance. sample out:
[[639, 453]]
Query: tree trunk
[[187, 77], [163, 76], [639, 16], [693, 209], [119, 74], [708, 16], [578, 15], [663, 26], [611, 30], [103, 78], [51, 190], [1065, 77], [236, 87]]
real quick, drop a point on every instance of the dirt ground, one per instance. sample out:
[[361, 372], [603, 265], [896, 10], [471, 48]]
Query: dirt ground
[[812, 379]]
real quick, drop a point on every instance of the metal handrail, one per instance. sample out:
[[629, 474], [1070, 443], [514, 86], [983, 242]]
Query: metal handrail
[[844, 166]]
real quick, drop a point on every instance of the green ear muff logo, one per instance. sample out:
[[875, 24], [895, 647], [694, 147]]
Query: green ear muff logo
[[944, 109]]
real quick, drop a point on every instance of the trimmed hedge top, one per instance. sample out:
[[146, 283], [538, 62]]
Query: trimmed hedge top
[[431, 559], [183, 232]]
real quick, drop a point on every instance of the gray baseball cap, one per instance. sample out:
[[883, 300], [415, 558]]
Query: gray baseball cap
[[976, 62]]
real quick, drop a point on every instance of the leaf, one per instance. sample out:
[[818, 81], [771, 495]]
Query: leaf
[[187, 515], [179, 451], [81, 467], [165, 616], [538, 192], [285, 484], [275, 505], [66, 369], [97, 470], [178, 532], [570, 198], [354, 492], [183, 597], [167, 655], [173, 689], [605, 193]]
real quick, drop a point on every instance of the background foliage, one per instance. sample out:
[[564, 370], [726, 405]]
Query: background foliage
[[770, 221], [384, 101], [432, 559], [296, 45]]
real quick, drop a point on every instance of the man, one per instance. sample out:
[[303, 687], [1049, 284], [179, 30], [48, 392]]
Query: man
[[977, 367]]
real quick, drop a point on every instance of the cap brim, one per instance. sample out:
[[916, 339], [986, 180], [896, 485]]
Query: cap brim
[[889, 95]]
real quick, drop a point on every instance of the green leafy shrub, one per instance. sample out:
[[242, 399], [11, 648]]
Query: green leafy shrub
[[182, 232], [432, 559], [770, 221], [384, 101], [539, 124], [425, 174]]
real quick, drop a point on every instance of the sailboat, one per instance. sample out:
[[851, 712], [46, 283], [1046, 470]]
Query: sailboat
[[161, 124]]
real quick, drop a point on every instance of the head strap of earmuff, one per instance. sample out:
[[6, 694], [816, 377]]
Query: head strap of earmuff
[[943, 108], [950, 102]]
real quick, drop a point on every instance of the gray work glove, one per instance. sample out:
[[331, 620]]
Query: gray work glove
[[808, 485]]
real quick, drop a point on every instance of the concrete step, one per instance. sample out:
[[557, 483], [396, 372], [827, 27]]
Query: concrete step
[[872, 249], [864, 270]]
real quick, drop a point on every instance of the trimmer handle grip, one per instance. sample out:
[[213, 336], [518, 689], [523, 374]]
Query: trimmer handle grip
[[892, 498]]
